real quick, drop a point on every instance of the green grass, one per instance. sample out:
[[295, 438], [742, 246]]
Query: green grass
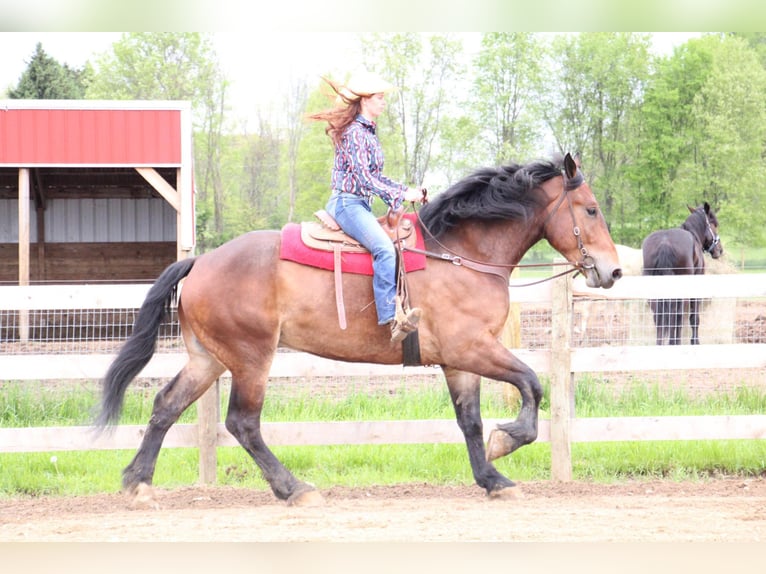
[[76, 472]]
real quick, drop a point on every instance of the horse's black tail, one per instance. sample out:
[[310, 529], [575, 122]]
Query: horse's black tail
[[663, 310], [140, 346]]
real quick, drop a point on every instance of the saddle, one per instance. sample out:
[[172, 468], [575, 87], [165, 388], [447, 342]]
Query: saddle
[[326, 235]]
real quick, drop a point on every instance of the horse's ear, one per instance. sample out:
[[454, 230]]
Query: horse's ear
[[707, 208], [690, 208], [570, 165]]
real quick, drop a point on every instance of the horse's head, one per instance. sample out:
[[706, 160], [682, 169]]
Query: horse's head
[[576, 228], [711, 242]]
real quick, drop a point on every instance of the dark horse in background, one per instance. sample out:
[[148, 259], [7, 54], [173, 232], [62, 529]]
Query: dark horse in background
[[240, 302], [680, 251]]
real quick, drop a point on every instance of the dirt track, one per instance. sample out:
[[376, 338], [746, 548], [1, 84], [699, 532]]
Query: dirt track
[[728, 510]]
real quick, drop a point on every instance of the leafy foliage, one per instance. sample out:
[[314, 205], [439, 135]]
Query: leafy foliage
[[655, 132], [47, 79]]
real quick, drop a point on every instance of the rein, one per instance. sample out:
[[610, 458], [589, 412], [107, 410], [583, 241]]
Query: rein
[[499, 269]]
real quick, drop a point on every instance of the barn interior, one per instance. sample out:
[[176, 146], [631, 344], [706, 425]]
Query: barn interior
[[88, 224]]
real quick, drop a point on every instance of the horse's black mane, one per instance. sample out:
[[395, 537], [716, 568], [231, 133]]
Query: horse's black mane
[[490, 194]]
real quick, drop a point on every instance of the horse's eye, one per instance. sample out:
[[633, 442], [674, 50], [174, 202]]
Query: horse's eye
[[592, 211]]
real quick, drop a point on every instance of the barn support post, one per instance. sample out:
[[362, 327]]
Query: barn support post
[[562, 378], [24, 264]]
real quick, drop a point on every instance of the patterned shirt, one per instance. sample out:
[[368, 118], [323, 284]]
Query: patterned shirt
[[359, 165]]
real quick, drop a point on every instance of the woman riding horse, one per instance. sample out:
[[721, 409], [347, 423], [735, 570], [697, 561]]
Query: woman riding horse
[[241, 302]]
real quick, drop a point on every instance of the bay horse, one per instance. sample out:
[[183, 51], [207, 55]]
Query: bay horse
[[241, 301], [680, 251]]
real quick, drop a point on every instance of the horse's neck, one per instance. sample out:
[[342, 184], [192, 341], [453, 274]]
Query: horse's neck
[[500, 242], [693, 226]]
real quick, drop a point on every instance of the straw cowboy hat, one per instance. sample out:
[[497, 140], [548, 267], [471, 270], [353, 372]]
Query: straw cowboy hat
[[363, 84]]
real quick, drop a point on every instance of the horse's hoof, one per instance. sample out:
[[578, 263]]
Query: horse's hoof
[[143, 497], [499, 444], [306, 498], [507, 493]]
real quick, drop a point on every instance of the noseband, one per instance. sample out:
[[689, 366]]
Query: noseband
[[716, 238]]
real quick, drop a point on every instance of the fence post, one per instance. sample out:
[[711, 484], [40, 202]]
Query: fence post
[[511, 338], [562, 380], [208, 415]]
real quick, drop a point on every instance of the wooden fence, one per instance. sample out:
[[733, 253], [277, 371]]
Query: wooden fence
[[561, 362]]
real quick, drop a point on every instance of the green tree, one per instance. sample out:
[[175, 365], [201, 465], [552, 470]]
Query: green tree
[[315, 159], [174, 66], [296, 128], [601, 77], [701, 137], [757, 41], [46, 79], [666, 133], [729, 170], [508, 72], [422, 68], [461, 149]]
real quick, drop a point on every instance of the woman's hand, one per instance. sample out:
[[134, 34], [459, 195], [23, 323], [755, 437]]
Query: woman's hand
[[415, 194]]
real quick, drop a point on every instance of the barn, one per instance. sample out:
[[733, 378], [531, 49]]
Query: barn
[[94, 191]]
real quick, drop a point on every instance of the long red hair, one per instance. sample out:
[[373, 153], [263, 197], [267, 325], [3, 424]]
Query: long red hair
[[340, 116]]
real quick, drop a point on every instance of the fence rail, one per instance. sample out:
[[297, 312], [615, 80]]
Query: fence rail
[[561, 361]]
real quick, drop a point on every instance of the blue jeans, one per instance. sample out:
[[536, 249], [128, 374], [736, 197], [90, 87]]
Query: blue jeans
[[355, 217]]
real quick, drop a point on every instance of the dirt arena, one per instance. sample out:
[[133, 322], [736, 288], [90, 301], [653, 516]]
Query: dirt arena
[[725, 510]]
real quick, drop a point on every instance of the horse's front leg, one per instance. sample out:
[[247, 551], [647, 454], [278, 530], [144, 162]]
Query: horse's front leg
[[464, 389], [508, 437]]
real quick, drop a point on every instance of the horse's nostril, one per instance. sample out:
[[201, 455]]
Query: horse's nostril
[[617, 274]]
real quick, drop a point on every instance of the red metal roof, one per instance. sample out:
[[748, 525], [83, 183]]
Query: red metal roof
[[96, 137]]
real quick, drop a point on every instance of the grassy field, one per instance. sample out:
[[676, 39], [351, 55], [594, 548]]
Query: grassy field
[[73, 473]]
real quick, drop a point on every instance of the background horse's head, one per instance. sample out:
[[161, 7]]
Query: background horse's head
[[576, 228], [703, 222]]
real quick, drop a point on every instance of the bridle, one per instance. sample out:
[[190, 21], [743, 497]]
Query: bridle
[[716, 238], [501, 269], [570, 184]]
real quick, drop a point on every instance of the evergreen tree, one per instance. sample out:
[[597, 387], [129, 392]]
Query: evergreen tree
[[46, 79]]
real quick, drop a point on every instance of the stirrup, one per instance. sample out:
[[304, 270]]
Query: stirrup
[[404, 325]]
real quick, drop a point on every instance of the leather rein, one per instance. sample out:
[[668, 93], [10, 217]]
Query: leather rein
[[501, 269]]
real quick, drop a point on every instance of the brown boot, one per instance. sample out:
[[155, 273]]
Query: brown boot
[[400, 328]]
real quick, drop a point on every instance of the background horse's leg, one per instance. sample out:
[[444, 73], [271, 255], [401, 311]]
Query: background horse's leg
[[658, 314], [464, 389], [694, 320], [243, 421], [185, 388], [676, 320]]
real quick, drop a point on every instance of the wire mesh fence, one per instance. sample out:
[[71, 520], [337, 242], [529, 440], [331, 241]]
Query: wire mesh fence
[[594, 323]]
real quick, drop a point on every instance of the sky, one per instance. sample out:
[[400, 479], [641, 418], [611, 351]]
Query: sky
[[260, 66], [256, 69]]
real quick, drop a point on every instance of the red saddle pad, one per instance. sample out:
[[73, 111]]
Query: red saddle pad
[[293, 249]]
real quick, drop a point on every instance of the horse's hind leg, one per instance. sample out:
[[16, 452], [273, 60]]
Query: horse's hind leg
[[694, 320], [676, 320], [659, 315], [243, 421], [185, 388]]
